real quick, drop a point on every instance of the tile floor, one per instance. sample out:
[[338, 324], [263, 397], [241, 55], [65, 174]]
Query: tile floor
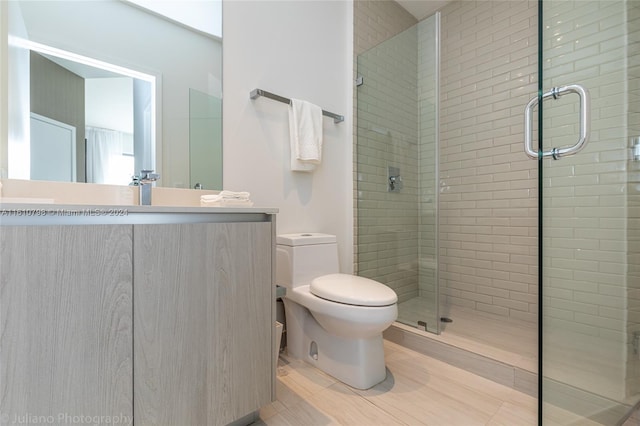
[[419, 390]]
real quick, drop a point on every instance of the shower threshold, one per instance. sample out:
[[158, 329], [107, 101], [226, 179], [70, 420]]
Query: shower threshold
[[486, 344]]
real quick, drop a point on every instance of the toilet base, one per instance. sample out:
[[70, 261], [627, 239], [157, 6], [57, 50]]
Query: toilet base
[[356, 362]]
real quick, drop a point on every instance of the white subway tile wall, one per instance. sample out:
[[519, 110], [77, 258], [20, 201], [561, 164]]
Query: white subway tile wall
[[388, 137], [488, 195], [386, 223], [633, 198], [488, 187], [397, 128], [591, 304], [374, 22]]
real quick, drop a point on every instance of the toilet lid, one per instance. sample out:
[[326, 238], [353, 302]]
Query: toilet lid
[[352, 290]]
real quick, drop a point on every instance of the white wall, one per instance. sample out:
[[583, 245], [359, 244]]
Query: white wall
[[15, 149], [109, 103], [303, 50]]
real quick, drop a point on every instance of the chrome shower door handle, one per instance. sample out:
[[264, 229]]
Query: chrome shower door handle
[[585, 122]]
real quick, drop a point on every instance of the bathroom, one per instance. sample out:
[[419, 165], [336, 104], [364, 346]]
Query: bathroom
[[310, 50]]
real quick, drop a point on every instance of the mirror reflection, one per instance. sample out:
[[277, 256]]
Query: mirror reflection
[[101, 135], [100, 90]]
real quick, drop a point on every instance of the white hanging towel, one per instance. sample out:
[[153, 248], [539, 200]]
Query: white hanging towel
[[305, 129]]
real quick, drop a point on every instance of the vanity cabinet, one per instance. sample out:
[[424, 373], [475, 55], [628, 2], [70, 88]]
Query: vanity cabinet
[[203, 328], [65, 324], [169, 323]]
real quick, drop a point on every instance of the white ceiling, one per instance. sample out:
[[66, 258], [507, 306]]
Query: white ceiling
[[202, 15], [422, 8]]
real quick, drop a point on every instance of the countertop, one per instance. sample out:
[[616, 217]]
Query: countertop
[[52, 214], [134, 209]]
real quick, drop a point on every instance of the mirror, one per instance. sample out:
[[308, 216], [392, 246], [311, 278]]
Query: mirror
[[149, 83]]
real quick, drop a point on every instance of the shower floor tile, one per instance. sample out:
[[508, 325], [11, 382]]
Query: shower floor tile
[[417, 309], [511, 341]]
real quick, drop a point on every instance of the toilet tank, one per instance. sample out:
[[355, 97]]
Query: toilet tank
[[305, 256]]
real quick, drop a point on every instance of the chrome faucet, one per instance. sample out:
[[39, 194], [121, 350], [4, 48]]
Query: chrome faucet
[[145, 182]]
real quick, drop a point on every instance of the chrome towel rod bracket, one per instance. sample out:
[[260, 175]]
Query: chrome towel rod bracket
[[256, 93]]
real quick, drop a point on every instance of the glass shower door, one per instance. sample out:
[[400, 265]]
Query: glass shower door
[[589, 210], [397, 192]]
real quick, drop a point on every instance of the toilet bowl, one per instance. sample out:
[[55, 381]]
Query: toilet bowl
[[334, 321]]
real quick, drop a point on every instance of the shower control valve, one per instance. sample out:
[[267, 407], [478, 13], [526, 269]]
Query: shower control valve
[[394, 179]]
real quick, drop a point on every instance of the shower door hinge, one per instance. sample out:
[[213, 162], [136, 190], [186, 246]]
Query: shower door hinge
[[359, 81]]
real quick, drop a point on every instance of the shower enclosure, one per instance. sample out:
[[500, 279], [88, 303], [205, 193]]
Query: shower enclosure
[[537, 258], [436, 112]]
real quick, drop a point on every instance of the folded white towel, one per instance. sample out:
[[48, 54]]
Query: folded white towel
[[237, 203], [226, 199], [226, 195], [210, 198], [305, 130], [226, 203], [235, 195]]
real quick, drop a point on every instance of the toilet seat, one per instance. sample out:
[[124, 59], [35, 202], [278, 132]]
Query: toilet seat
[[352, 290]]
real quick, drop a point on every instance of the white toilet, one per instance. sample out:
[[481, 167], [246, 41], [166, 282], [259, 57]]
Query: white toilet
[[334, 321]]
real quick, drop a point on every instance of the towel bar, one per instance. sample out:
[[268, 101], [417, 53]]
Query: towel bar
[[256, 93]]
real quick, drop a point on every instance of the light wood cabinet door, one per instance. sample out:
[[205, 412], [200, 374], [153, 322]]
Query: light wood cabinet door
[[203, 322], [66, 324]]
